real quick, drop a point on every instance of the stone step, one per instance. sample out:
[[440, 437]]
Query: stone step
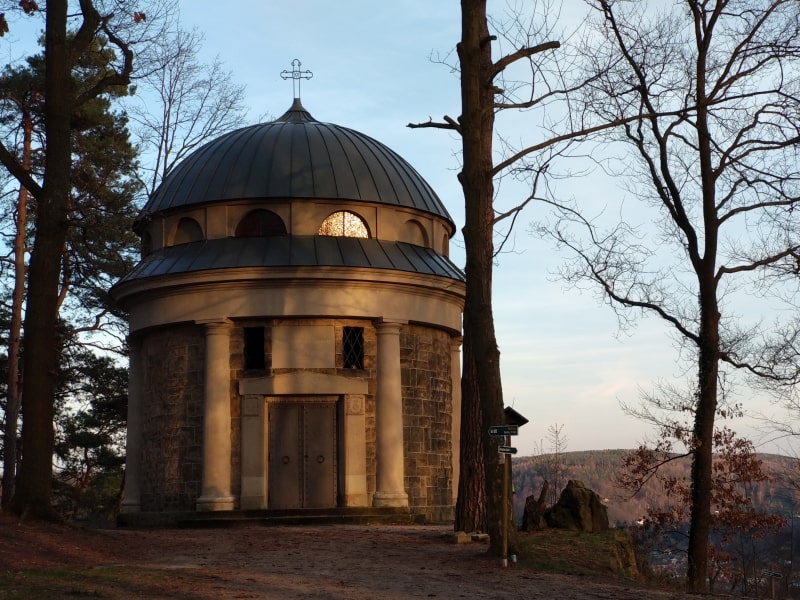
[[310, 516], [356, 516]]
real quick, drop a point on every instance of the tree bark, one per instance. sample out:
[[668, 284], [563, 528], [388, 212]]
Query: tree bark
[[702, 457], [471, 504], [477, 122], [40, 360]]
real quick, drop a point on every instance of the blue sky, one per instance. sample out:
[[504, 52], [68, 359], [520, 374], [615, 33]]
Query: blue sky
[[378, 66]]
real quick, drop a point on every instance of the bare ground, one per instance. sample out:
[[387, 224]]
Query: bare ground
[[322, 562]]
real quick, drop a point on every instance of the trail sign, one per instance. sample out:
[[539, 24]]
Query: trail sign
[[506, 450], [503, 430], [773, 574]]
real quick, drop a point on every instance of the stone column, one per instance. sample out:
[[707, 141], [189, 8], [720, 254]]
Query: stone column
[[131, 503], [216, 491], [390, 484], [455, 382]]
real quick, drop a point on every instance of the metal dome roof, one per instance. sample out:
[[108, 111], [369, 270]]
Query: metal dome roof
[[295, 156]]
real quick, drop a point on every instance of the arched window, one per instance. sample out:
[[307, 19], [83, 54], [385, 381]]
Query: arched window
[[260, 223], [344, 224], [188, 230]]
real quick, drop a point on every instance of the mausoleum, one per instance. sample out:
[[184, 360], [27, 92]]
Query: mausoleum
[[295, 326]]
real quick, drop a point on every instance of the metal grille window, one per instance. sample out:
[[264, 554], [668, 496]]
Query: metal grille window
[[353, 347], [254, 348]]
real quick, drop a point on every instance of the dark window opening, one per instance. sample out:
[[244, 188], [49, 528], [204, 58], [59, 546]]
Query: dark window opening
[[254, 348], [353, 347]]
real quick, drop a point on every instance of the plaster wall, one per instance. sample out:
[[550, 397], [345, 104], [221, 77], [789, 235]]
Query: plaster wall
[[343, 297]]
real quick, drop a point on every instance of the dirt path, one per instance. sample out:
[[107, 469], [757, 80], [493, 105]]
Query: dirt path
[[342, 562]]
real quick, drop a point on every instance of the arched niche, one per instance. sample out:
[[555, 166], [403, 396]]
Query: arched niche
[[260, 223], [188, 231], [414, 233]]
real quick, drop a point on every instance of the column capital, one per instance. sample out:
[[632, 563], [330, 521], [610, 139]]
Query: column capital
[[215, 324], [389, 325]]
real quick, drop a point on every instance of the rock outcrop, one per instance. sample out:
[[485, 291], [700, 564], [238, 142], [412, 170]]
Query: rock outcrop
[[578, 508]]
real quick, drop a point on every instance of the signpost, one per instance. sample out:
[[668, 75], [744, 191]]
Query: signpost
[[503, 430], [511, 427], [773, 575]]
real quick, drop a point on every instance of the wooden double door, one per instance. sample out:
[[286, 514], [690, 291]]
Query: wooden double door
[[302, 456]]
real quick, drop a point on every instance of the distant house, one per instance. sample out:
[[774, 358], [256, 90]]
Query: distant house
[[294, 329]]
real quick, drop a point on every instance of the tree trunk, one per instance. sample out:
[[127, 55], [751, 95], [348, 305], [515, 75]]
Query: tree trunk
[[471, 503], [477, 123], [15, 328], [702, 458], [707, 345], [40, 359]]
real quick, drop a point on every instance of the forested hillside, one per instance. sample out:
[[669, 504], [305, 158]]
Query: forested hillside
[[600, 469]]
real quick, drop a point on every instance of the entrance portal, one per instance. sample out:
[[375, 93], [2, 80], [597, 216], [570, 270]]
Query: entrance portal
[[301, 459]]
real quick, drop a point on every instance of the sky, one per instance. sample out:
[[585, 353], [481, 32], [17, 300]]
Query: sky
[[379, 66]]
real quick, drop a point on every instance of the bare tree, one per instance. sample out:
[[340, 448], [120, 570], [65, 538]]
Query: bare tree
[[708, 96], [558, 445], [181, 103], [528, 77], [481, 97]]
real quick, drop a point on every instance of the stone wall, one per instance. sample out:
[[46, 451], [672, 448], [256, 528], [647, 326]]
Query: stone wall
[[172, 429], [427, 418]]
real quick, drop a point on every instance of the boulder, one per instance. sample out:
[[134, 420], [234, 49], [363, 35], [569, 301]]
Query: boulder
[[578, 508]]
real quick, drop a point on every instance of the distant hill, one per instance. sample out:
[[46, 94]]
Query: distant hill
[[599, 470]]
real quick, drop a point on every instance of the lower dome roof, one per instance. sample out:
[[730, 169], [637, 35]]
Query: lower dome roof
[[292, 251]]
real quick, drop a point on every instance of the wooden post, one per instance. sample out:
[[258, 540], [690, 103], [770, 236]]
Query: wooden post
[[504, 528]]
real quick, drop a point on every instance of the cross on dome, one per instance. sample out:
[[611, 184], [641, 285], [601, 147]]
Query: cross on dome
[[296, 75]]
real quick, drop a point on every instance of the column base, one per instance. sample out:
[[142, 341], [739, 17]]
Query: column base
[[214, 503], [395, 499], [130, 507]]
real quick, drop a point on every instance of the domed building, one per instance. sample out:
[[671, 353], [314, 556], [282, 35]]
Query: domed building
[[294, 330]]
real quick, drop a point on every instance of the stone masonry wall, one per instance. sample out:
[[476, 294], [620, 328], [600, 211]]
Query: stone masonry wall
[[172, 449], [173, 397], [427, 419]]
